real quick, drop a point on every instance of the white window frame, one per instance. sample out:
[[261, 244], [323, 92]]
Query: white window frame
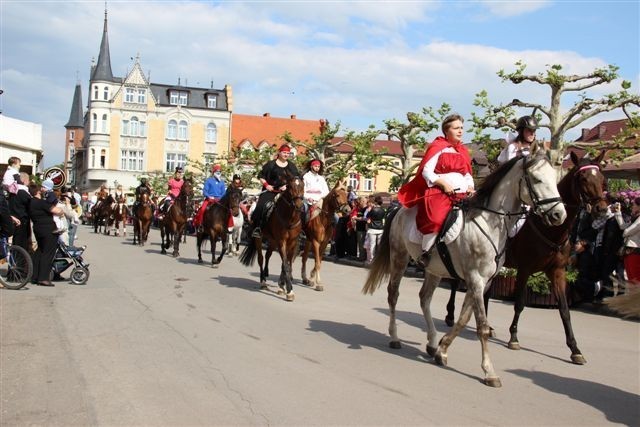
[[183, 130], [212, 101], [93, 158], [212, 133], [142, 96], [134, 126], [132, 160], [172, 129], [95, 92], [173, 97], [72, 135], [183, 98], [367, 184], [129, 95], [103, 158], [353, 181], [173, 160], [105, 93], [103, 124], [94, 122]]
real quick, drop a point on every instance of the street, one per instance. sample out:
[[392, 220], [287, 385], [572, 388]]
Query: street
[[152, 340]]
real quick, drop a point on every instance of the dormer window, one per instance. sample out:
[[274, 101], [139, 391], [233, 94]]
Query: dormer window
[[142, 96], [178, 98], [212, 101], [129, 95]]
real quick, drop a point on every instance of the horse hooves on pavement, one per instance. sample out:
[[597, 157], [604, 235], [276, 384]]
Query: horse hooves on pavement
[[449, 321], [290, 296], [319, 288], [493, 382], [513, 345], [431, 351], [440, 359], [175, 254], [578, 359], [395, 345]]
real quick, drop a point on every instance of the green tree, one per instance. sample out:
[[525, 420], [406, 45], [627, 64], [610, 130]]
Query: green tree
[[551, 116]]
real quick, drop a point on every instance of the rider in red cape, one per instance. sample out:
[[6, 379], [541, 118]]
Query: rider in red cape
[[444, 175]]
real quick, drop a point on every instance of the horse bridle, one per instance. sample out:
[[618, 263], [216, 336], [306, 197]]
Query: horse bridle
[[584, 200], [537, 202]]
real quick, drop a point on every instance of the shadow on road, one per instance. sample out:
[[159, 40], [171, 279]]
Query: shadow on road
[[247, 285], [617, 405], [417, 320]]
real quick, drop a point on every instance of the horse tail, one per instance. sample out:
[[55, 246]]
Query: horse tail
[[381, 264], [249, 253]]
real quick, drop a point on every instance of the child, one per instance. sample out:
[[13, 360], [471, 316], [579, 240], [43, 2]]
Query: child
[[11, 178], [50, 197]]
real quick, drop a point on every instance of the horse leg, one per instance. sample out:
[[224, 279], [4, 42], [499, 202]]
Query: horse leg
[[451, 304], [518, 306], [198, 245], [305, 256], [447, 339], [162, 237], [288, 264], [264, 272], [176, 242], [315, 273], [393, 292], [559, 284], [429, 285], [213, 241], [484, 332]]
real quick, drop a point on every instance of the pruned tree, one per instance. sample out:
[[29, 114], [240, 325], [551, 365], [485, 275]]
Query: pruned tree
[[551, 116], [412, 136]]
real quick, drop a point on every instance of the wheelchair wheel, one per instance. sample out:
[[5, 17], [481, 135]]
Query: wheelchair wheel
[[16, 269], [79, 276]]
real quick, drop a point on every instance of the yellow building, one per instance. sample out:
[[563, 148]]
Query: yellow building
[[134, 127]]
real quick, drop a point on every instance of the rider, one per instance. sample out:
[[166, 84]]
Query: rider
[[143, 188], [526, 127], [213, 190], [273, 178], [101, 195], [174, 185], [444, 175], [315, 186]]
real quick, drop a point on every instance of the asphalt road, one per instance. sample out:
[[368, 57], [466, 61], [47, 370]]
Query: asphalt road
[[152, 340]]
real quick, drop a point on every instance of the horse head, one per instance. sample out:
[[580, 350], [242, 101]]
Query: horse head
[[589, 183], [338, 198], [540, 190], [295, 191], [234, 195]]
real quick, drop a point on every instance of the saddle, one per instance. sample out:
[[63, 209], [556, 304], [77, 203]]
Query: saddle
[[314, 210], [450, 230]]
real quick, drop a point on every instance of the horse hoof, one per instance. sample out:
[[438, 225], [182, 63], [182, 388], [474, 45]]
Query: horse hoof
[[449, 321], [493, 382], [175, 254], [431, 351], [440, 359], [215, 265], [395, 345], [290, 296], [578, 359], [305, 281], [492, 332], [513, 345], [280, 292], [319, 288], [263, 286]]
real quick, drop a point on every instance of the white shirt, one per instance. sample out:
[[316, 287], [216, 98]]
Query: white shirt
[[315, 187], [461, 183], [631, 231], [511, 151]]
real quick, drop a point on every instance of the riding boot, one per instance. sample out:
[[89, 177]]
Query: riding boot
[[427, 243]]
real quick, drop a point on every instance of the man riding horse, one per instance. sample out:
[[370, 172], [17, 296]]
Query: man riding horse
[[174, 185], [213, 190], [273, 178], [143, 188]]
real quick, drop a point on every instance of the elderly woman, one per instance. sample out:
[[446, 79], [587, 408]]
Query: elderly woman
[[41, 213], [444, 175]]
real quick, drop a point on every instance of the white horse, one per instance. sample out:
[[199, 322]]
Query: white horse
[[236, 234], [477, 253]]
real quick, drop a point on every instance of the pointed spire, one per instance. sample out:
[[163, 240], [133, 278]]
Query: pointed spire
[[102, 71], [76, 118]]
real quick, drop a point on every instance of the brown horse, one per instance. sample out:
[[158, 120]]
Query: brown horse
[[174, 222], [120, 216], [538, 247], [215, 223], [281, 232], [142, 220], [319, 230], [102, 214]]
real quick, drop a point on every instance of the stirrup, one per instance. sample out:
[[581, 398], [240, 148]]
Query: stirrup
[[257, 233], [424, 258]]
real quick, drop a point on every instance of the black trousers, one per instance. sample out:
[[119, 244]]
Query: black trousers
[[264, 198], [22, 235], [43, 257]]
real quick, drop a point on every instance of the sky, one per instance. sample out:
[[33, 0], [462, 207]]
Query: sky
[[358, 62]]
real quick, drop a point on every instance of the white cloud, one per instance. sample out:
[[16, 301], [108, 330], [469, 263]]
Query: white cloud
[[514, 7]]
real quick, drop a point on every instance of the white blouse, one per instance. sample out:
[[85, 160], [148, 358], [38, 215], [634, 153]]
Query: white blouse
[[461, 183]]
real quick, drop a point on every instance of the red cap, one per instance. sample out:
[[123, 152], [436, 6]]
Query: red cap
[[316, 162], [216, 168], [284, 148]]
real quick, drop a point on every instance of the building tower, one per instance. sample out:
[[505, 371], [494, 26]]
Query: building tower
[[74, 134]]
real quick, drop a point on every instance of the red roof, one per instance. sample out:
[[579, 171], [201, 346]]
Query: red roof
[[391, 147], [604, 131], [259, 129]]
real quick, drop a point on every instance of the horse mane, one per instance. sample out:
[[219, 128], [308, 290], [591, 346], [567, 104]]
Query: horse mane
[[483, 194]]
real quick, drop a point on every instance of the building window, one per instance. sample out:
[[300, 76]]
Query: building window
[[105, 93], [134, 126], [212, 133], [103, 158], [72, 152], [129, 94], [132, 160], [72, 135], [174, 160], [368, 184], [178, 98], [353, 181], [142, 96], [212, 101], [125, 127], [184, 98], [93, 157], [173, 98], [172, 130], [182, 130], [103, 127], [95, 92], [94, 122]]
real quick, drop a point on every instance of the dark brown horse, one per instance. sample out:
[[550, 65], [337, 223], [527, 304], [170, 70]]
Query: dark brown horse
[[537, 247], [142, 220], [120, 217], [102, 214], [319, 230], [174, 222], [281, 232], [215, 223]]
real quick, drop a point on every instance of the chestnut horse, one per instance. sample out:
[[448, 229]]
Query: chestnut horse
[[102, 214], [120, 216], [319, 231], [216, 222], [174, 222], [142, 220], [281, 232], [539, 247]]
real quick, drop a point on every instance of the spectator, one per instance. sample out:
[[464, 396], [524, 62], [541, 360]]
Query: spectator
[[375, 227], [360, 226], [631, 235], [19, 208], [11, 178], [351, 196], [42, 214]]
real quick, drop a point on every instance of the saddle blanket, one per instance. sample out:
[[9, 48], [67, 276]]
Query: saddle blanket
[[414, 235]]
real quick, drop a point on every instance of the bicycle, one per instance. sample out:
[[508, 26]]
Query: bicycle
[[16, 267]]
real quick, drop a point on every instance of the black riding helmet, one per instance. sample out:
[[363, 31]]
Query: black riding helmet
[[526, 122]]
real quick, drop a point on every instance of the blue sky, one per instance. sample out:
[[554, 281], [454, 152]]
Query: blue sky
[[354, 62]]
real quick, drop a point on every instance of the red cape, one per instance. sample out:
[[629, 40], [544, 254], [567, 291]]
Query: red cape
[[413, 191]]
